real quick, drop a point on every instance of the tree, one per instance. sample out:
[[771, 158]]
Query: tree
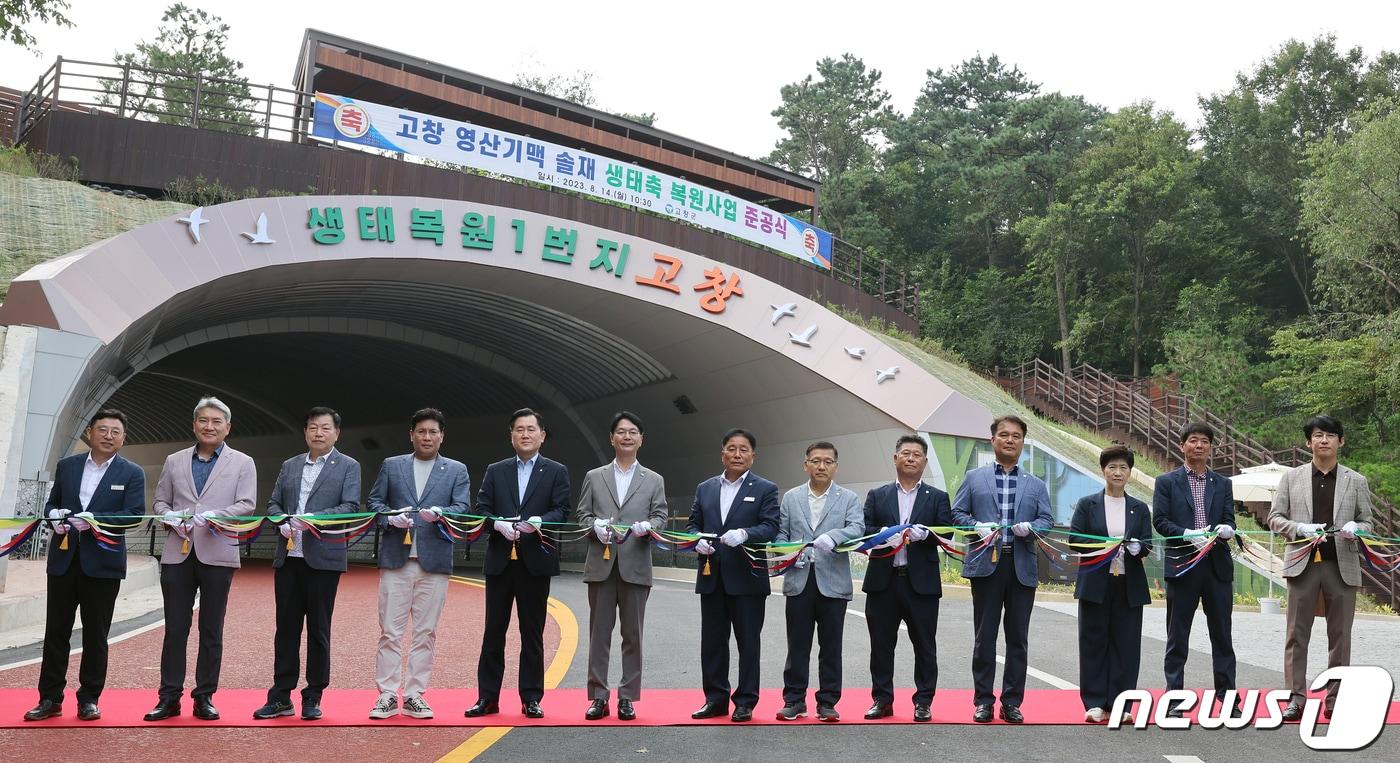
[[831, 122], [185, 78], [1255, 139], [15, 15], [1351, 211], [575, 87]]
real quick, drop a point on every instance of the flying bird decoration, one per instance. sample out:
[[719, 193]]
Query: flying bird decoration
[[783, 311], [260, 235], [885, 374], [195, 219], [856, 352], [805, 338]]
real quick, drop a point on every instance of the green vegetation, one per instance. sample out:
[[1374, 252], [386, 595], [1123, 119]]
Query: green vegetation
[[1253, 259]]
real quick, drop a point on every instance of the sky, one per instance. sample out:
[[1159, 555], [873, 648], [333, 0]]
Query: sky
[[712, 71]]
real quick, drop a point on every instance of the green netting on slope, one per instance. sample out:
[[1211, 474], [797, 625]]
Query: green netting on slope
[[41, 219]]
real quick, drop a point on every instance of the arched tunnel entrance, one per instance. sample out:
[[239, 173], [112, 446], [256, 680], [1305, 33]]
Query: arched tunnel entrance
[[574, 321]]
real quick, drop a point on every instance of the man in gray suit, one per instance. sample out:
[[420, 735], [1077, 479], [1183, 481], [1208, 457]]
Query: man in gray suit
[[817, 587], [1004, 500], [1314, 499], [207, 479], [619, 574], [320, 481], [415, 560]]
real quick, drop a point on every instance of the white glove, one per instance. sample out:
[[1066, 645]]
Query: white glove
[[60, 528], [506, 529], [297, 523], [173, 518], [402, 521], [58, 513], [1193, 535], [704, 547], [1305, 528], [918, 533], [602, 528], [79, 524], [531, 525], [431, 514], [824, 542], [202, 519], [1225, 531], [734, 538], [1348, 531], [1021, 529], [286, 529], [984, 529], [803, 559], [1134, 548], [641, 528]]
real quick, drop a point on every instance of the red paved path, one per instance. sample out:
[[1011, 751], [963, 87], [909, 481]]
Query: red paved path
[[248, 664]]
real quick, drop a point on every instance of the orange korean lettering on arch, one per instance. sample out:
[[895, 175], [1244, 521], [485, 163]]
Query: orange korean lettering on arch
[[667, 268], [720, 289]]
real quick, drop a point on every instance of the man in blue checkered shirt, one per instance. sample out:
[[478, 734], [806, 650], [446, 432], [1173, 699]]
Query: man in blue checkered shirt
[[1008, 502]]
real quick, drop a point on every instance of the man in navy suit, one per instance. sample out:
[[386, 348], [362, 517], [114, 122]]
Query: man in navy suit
[[905, 587], [82, 576], [415, 560], [1006, 501], [1186, 504], [734, 508], [522, 494]]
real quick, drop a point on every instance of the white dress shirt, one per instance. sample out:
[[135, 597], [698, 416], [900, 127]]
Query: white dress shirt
[[817, 505], [92, 474], [622, 478], [309, 474], [728, 491]]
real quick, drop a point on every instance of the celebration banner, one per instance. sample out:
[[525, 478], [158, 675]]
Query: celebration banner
[[347, 120]]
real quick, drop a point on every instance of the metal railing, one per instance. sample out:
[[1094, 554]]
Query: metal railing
[[193, 99]]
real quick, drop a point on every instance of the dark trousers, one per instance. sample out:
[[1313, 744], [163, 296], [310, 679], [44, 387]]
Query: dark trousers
[[1216, 597], [721, 614], [530, 595], [1110, 646], [809, 611], [71, 593], [1317, 578], [1000, 600], [884, 611], [304, 595], [612, 601], [178, 584]]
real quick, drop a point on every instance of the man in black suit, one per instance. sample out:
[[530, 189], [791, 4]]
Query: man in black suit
[[521, 493], [734, 508], [905, 586], [83, 577], [1186, 504]]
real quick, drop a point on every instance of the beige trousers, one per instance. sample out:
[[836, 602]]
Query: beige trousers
[[404, 593]]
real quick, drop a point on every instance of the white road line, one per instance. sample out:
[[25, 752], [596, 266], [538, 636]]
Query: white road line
[[1183, 759], [1039, 675], [79, 650]]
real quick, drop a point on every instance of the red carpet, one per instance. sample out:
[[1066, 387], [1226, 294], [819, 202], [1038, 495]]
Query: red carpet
[[563, 707]]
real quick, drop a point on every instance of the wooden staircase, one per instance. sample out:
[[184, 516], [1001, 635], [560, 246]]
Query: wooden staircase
[[1149, 419]]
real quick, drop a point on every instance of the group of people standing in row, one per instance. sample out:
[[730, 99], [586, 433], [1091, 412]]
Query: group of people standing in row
[[526, 492]]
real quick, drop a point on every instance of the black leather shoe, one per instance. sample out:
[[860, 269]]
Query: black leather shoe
[[982, 714], [1293, 712], [792, 711], [270, 710], [1175, 712], [482, 707], [46, 708], [827, 714], [922, 714], [625, 711], [532, 709], [88, 711], [711, 710], [742, 715], [310, 712], [599, 710], [879, 710], [1012, 714], [166, 708], [204, 709]]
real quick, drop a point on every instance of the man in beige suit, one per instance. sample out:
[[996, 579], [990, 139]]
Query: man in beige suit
[[208, 479], [1315, 499], [618, 573]]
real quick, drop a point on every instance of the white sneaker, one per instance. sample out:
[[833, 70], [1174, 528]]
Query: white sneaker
[[386, 707], [415, 707], [1094, 715]]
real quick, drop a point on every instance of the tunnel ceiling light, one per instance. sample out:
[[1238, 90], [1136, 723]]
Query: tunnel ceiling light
[[684, 405]]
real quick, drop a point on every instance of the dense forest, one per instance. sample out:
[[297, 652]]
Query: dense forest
[[1254, 257]]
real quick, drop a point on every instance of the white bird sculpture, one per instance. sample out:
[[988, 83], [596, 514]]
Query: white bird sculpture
[[805, 338], [886, 374], [856, 352], [260, 235], [783, 311], [195, 220]]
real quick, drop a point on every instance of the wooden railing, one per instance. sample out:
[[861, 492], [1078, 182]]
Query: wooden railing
[[1152, 418]]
